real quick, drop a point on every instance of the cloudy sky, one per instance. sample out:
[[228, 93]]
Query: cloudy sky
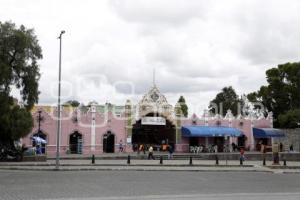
[[196, 47]]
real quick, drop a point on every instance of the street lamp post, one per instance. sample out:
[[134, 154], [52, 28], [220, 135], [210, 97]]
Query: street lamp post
[[58, 105]]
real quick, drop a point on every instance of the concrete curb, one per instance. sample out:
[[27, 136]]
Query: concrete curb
[[135, 169], [146, 167], [123, 165], [175, 168]]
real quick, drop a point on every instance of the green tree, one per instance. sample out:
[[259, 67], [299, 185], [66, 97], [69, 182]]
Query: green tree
[[282, 92], [19, 53], [73, 103], [183, 106], [227, 99], [262, 96], [290, 119]]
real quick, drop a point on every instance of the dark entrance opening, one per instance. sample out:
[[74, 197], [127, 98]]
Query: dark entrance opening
[[109, 142], [194, 141], [219, 141], [41, 145], [75, 144], [156, 135], [241, 141]]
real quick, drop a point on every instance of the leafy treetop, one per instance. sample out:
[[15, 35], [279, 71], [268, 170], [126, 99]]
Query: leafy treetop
[[225, 100], [19, 53], [282, 94], [183, 106]]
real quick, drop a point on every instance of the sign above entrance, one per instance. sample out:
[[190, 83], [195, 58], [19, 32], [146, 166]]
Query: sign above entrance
[[153, 121]]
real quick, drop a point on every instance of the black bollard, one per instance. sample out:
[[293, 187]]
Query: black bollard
[[93, 159], [161, 160], [284, 162], [128, 160], [217, 160], [241, 161], [191, 160], [264, 162]]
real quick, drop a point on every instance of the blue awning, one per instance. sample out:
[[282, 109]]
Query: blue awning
[[267, 133], [210, 131]]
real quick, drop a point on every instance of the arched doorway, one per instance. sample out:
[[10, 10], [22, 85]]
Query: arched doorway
[[36, 143], [153, 134], [109, 142], [241, 141], [75, 143]]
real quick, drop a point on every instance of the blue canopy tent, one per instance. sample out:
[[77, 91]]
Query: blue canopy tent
[[267, 133], [210, 131]]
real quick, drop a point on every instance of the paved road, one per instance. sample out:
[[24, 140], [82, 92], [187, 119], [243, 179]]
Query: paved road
[[147, 185]]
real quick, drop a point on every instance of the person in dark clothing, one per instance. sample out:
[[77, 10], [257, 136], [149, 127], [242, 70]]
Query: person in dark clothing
[[234, 147], [291, 147], [170, 150], [281, 147]]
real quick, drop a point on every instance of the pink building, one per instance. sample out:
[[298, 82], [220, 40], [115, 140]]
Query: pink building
[[97, 129]]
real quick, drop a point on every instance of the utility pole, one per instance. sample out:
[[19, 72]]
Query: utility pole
[[58, 106]]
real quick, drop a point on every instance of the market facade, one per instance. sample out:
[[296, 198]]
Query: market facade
[[97, 129]]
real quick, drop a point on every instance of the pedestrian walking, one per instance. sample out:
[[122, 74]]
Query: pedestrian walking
[[121, 146], [170, 150], [280, 147], [291, 148], [150, 155], [242, 154], [142, 148]]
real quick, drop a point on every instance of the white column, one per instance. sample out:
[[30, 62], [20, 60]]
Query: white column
[[251, 137], [206, 142], [230, 138], [206, 117], [93, 129], [270, 117]]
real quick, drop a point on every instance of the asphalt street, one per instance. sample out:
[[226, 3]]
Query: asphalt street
[[147, 185]]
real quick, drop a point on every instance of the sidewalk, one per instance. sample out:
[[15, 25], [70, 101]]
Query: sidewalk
[[154, 165]]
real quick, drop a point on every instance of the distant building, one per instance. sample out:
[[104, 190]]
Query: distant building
[[97, 129]]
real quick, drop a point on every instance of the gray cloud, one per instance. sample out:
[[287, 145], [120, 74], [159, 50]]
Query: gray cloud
[[196, 47], [160, 12]]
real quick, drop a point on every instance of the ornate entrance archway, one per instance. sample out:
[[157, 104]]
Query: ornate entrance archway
[[154, 134], [109, 142], [75, 143]]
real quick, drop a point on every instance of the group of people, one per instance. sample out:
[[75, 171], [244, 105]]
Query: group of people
[[143, 148]]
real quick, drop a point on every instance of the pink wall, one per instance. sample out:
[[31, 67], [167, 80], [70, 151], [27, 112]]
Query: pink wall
[[109, 122], [104, 123]]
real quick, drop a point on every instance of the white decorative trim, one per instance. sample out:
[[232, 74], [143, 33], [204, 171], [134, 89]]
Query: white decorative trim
[[155, 102]]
